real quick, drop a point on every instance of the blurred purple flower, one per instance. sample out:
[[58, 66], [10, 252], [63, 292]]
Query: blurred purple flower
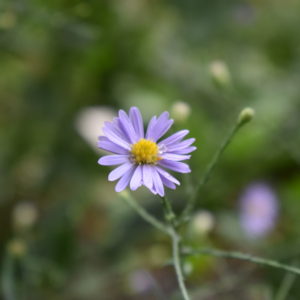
[[140, 281], [258, 209]]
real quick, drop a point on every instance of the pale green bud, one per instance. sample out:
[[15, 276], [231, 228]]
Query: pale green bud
[[25, 215], [246, 115], [203, 222], [17, 247], [180, 111], [220, 73]]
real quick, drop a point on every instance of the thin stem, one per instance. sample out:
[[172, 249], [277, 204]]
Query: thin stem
[[7, 278], [285, 286], [143, 213], [177, 265], [169, 213], [191, 204], [242, 256], [171, 219]]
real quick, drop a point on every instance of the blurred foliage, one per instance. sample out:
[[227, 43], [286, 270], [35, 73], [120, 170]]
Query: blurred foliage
[[59, 57]]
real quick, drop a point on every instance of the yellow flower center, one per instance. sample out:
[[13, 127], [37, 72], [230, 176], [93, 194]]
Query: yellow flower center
[[145, 152]]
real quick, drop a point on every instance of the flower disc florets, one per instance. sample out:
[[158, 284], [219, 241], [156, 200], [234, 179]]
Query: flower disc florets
[[145, 152]]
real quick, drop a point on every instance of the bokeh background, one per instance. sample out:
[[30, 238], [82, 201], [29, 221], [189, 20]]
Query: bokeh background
[[68, 65]]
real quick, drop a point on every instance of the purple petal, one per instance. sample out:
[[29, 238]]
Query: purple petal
[[181, 145], [162, 125], [150, 127], [124, 181], [166, 175], [137, 121], [168, 183], [147, 176], [158, 185], [127, 127], [115, 127], [175, 157], [175, 166], [105, 144], [186, 150], [153, 190], [110, 160], [136, 179], [174, 138], [119, 171], [113, 136]]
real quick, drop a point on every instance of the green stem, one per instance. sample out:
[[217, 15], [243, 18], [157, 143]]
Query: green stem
[[242, 256], [285, 286], [143, 213], [169, 213], [177, 265], [171, 219], [7, 278], [191, 204]]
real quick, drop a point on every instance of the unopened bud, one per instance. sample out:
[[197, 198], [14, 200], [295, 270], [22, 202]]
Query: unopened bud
[[202, 222], [180, 111], [24, 215], [17, 247], [89, 123], [220, 73], [246, 115]]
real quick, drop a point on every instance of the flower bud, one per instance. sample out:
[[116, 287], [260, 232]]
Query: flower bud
[[180, 111], [220, 73], [246, 115], [24, 215], [89, 123], [202, 222], [17, 247]]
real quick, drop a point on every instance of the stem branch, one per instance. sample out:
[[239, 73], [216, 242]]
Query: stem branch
[[171, 219], [143, 213], [191, 204], [242, 256], [177, 265]]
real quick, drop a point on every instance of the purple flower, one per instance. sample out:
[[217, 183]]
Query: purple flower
[[259, 210], [142, 159]]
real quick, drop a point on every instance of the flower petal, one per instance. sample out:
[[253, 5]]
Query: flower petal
[[115, 127], [124, 181], [137, 121], [185, 150], [150, 127], [119, 171], [147, 176], [111, 133], [158, 185], [175, 157], [174, 138], [181, 145], [110, 160], [175, 166], [105, 144], [168, 183], [161, 126], [127, 127], [165, 174], [136, 179]]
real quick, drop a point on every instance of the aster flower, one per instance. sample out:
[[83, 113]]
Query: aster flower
[[259, 209], [141, 157]]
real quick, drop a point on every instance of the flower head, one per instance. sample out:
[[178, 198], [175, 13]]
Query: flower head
[[259, 210], [141, 157]]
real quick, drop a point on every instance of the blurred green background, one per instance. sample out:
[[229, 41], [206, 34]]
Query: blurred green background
[[65, 233]]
